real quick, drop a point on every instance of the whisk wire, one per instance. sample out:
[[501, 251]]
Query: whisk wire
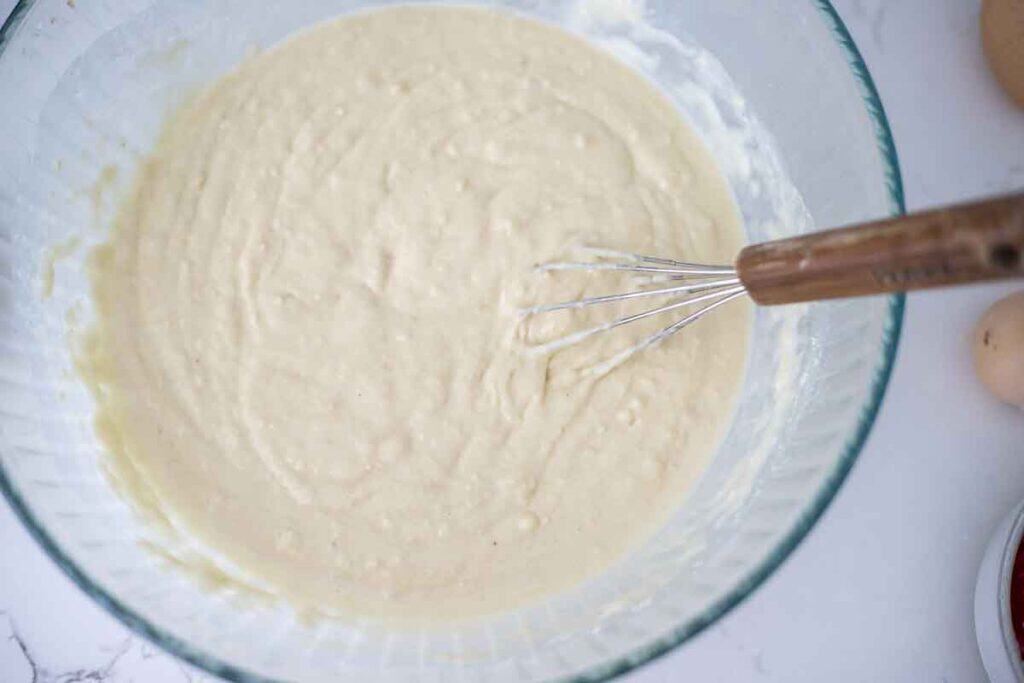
[[681, 269], [577, 337], [709, 285], [643, 258], [624, 355], [611, 298]]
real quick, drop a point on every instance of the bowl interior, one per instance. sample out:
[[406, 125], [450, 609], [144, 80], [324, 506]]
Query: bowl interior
[[801, 137]]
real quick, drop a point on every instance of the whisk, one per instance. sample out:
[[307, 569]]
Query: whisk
[[956, 245]]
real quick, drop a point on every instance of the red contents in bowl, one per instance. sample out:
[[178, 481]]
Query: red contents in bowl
[[1017, 597]]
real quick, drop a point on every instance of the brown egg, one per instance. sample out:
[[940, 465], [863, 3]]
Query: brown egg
[[999, 349], [1002, 37]]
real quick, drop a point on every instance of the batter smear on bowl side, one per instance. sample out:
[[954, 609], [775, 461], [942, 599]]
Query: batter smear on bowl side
[[309, 352]]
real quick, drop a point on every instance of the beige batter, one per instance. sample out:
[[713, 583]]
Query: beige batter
[[309, 353]]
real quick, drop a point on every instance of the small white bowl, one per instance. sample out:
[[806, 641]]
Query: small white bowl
[[993, 626]]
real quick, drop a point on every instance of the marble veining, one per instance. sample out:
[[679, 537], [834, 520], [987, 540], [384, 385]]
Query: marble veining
[[129, 660]]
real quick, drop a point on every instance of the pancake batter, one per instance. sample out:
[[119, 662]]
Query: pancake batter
[[308, 350]]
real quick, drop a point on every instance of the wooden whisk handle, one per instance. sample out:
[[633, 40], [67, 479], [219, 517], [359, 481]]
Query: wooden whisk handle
[[956, 245]]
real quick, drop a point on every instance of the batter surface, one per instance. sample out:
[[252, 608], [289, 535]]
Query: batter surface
[[308, 350]]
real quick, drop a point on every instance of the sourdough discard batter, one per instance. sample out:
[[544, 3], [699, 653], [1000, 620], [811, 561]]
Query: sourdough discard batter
[[308, 351]]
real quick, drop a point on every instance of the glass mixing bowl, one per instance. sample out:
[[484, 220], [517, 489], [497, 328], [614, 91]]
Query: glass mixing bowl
[[778, 92]]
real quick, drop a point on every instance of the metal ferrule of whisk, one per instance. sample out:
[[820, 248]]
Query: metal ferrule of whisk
[[693, 288]]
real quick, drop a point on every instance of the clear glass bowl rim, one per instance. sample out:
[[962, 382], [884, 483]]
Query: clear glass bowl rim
[[681, 633]]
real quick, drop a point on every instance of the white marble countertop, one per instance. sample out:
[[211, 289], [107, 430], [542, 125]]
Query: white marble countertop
[[881, 589]]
